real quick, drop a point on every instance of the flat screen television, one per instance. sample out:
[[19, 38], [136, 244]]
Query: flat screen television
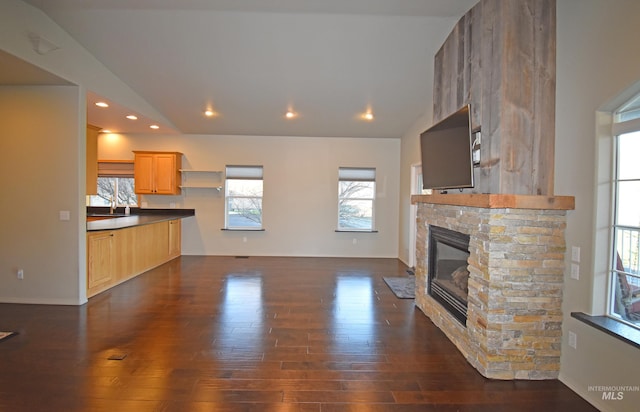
[[446, 153]]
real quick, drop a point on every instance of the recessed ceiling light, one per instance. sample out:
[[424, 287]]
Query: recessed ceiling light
[[290, 114], [102, 104], [209, 113], [367, 116], [106, 131], [154, 127], [132, 117]]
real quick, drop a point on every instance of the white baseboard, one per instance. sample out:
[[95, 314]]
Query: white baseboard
[[42, 301], [591, 397]]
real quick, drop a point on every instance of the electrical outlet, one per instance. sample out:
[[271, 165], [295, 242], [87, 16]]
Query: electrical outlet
[[20, 273], [573, 340], [355, 241], [575, 271]]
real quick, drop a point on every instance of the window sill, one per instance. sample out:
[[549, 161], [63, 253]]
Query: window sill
[[355, 231], [242, 229], [612, 327]]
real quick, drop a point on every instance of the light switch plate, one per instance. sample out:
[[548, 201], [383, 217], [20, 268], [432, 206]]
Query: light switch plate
[[575, 271], [573, 340], [65, 215], [575, 253]]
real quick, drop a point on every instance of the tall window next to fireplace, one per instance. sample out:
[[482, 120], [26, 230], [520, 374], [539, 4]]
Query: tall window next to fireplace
[[448, 273]]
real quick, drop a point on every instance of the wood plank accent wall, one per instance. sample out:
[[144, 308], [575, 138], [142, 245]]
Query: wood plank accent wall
[[501, 58]]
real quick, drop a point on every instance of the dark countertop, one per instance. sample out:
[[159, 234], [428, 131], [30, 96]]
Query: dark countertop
[[138, 217]]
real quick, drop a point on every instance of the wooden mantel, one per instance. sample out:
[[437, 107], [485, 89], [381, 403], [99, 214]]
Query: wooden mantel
[[498, 201]]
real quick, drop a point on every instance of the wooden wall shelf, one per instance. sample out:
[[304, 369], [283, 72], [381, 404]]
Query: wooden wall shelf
[[499, 201]]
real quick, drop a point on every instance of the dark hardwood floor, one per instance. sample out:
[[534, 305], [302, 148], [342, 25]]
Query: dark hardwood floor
[[254, 334]]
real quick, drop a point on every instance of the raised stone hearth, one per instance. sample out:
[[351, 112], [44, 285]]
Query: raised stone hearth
[[516, 266]]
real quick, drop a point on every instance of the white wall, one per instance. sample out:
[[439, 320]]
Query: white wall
[[300, 192], [39, 175], [410, 155], [597, 60]]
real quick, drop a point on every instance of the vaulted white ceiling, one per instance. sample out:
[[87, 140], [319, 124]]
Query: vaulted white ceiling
[[329, 61]]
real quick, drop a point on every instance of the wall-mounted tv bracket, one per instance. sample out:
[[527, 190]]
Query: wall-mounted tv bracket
[[475, 146]]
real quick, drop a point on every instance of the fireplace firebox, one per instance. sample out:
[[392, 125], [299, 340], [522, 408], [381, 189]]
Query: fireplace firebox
[[448, 275]]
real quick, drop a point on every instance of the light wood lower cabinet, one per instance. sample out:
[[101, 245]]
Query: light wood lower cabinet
[[100, 260], [175, 238], [118, 255], [125, 264]]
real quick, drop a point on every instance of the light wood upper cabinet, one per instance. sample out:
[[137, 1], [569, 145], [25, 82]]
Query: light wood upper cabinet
[[143, 173], [157, 173], [167, 175], [92, 159]]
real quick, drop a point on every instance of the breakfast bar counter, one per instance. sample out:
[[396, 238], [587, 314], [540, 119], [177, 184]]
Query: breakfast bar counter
[[120, 247], [101, 220]]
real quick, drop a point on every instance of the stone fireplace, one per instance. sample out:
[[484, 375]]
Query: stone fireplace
[[500, 59], [516, 270]]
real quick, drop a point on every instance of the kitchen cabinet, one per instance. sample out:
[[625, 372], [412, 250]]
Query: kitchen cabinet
[[100, 260], [175, 238], [115, 256], [157, 173], [92, 159], [152, 245], [126, 249]]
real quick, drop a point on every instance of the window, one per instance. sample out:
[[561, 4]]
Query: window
[[624, 295], [243, 195], [356, 198], [419, 189], [115, 182]]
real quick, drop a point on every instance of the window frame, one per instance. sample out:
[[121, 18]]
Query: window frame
[[243, 172], [116, 169], [357, 174], [623, 124]]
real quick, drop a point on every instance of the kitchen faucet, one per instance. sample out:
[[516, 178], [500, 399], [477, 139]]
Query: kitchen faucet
[[112, 206]]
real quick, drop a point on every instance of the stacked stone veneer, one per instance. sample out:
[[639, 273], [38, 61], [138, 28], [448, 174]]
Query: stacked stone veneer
[[516, 268]]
